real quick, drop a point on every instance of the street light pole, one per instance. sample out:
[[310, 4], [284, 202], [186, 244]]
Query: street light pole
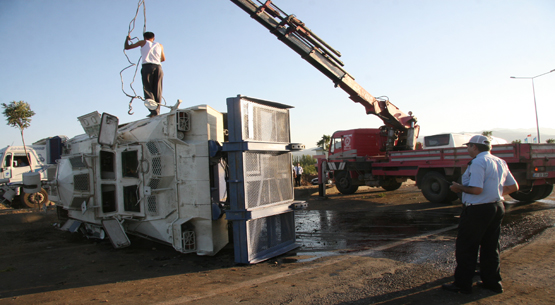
[[534, 93]]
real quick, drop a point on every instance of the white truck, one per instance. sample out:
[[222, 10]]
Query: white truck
[[169, 178], [41, 159]]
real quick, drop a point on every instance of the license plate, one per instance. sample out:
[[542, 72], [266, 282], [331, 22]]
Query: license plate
[[540, 175]]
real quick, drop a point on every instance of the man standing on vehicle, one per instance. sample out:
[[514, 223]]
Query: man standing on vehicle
[[484, 183], [152, 74]]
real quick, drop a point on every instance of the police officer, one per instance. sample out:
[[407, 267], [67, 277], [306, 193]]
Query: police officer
[[484, 183]]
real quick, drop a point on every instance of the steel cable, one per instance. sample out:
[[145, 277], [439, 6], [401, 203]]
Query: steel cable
[[131, 64]]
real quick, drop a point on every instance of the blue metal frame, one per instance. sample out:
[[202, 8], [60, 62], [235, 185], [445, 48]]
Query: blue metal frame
[[239, 214]]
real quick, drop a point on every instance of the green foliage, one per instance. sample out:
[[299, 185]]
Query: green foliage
[[550, 141], [516, 141], [18, 114], [308, 163], [487, 133], [324, 142]]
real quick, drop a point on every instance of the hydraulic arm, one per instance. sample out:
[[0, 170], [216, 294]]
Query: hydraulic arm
[[319, 54]]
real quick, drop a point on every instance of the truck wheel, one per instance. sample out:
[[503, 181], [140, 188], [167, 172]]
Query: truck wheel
[[344, 183], [391, 185], [548, 188], [435, 188], [35, 199], [536, 193]]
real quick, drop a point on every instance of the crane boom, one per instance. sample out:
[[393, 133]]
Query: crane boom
[[293, 32]]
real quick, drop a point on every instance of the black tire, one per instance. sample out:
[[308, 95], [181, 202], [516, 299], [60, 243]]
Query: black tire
[[435, 188], [391, 185], [536, 193], [548, 188], [35, 200], [344, 183]]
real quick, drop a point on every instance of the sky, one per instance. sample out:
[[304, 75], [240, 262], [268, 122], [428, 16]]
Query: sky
[[447, 61]]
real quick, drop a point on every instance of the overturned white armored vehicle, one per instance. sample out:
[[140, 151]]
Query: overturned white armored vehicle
[[170, 179]]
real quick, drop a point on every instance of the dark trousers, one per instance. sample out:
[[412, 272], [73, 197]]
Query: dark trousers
[[298, 180], [152, 84], [479, 230]]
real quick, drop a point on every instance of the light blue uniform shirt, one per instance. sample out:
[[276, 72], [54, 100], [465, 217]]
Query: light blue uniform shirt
[[489, 173]]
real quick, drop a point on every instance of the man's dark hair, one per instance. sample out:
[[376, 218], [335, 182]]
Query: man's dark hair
[[481, 147], [148, 35]]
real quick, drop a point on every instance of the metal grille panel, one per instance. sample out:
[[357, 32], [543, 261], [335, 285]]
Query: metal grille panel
[[265, 123], [154, 183], [77, 201], [152, 148], [183, 121], [81, 182], [77, 162], [269, 232], [157, 166], [267, 178], [189, 241], [152, 206]]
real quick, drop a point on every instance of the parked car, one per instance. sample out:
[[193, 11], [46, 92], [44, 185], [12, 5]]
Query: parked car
[[315, 181]]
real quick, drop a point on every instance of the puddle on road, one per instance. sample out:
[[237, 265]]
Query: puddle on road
[[325, 230], [330, 232]]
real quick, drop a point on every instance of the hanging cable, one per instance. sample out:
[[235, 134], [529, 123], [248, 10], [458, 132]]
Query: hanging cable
[[131, 64]]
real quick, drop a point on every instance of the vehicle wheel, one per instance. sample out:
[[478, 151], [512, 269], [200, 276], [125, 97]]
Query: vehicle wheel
[[35, 199], [391, 185], [533, 194], [344, 183], [548, 188], [435, 188]]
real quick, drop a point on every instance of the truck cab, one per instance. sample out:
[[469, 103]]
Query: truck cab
[[15, 162], [41, 158], [346, 144]]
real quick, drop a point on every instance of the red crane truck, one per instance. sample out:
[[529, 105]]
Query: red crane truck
[[359, 157], [386, 157]]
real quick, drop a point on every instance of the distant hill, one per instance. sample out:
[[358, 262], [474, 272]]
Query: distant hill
[[309, 151], [520, 134]]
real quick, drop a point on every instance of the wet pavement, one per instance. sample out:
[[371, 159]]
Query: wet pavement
[[417, 232]]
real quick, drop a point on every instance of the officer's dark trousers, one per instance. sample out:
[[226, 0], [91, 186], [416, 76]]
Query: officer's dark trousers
[[152, 76], [479, 229]]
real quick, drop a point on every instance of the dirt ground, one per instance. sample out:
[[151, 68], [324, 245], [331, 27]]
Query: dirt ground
[[40, 264]]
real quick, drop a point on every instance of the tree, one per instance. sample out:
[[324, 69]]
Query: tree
[[308, 163], [324, 142], [550, 141], [487, 133], [18, 114], [516, 141]]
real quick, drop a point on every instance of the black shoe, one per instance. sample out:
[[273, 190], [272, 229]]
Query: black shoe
[[454, 288], [497, 287]]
